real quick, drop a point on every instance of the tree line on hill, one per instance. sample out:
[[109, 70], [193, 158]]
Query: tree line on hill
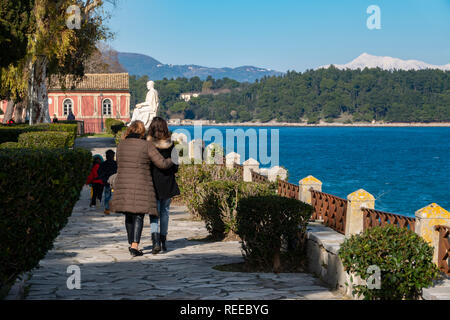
[[325, 94]]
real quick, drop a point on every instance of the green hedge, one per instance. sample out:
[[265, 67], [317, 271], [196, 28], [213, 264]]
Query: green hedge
[[190, 176], [404, 258], [39, 189], [119, 134], [10, 145], [113, 125], [11, 133], [270, 226], [50, 139], [217, 202]]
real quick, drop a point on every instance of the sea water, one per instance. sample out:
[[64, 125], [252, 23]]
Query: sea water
[[404, 168]]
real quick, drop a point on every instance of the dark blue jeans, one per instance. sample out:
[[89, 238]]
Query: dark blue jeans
[[163, 209]]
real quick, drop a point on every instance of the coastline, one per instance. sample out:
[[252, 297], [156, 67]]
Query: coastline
[[299, 124]]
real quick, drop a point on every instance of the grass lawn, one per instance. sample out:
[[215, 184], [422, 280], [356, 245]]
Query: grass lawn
[[98, 135]]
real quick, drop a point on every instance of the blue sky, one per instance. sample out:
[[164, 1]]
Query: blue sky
[[280, 34]]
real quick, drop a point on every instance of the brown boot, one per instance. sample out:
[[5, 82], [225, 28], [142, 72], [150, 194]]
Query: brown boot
[[107, 212]]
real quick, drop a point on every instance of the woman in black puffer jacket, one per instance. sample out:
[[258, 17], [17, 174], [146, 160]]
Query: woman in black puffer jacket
[[164, 181]]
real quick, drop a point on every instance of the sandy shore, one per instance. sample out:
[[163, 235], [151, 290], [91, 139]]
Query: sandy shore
[[290, 124]]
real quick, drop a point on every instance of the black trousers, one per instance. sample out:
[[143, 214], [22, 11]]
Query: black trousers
[[97, 193], [134, 224]]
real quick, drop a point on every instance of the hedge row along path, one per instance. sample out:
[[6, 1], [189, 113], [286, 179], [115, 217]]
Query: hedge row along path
[[98, 245]]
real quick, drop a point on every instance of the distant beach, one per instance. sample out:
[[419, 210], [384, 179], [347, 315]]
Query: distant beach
[[321, 124]]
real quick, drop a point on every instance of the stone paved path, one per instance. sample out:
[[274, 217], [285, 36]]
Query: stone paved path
[[98, 245]]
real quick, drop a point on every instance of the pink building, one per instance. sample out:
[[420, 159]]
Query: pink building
[[93, 100]]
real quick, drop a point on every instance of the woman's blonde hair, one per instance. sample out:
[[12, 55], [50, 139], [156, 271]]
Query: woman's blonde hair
[[136, 127]]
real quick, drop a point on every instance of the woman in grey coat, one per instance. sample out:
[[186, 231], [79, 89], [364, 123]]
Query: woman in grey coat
[[134, 193]]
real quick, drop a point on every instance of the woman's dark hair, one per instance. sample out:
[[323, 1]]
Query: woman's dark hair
[[137, 127], [159, 129]]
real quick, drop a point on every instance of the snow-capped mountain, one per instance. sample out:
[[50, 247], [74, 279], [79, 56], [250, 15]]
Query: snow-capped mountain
[[387, 63]]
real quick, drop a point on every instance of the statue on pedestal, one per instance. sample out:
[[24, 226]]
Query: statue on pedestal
[[147, 110]]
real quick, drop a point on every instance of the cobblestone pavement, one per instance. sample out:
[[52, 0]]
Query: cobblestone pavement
[[98, 245]]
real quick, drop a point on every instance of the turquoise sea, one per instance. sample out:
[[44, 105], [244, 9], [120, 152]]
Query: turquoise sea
[[404, 168]]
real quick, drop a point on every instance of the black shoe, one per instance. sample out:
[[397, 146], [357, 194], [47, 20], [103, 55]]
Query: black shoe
[[163, 243], [136, 253], [156, 243]]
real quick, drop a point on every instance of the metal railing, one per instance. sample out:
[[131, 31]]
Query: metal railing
[[329, 208], [259, 178], [288, 190], [373, 218], [443, 249], [240, 168]]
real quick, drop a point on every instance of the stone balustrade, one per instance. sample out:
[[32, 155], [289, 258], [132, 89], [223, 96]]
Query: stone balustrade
[[323, 242]]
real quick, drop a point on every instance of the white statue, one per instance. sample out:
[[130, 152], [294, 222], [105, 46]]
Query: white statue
[[147, 110]]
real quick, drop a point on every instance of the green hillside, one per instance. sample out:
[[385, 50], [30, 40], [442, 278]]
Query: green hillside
[[328, 94]]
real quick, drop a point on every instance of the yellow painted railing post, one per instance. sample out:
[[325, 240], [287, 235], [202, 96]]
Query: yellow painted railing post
[[426, 219], [354, 223], [305, 186]]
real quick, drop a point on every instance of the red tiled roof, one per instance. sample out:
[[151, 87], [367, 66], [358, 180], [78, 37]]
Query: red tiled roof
[[94, 81]]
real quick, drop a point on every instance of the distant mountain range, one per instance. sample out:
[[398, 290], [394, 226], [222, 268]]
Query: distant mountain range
[[140, 64], [387, 63]]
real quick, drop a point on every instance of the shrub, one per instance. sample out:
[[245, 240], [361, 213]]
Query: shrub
[[110, 123], [11, 133], [51, 140], [217, 202], [119, 135], [39, 189], [10, 145], [72, 129], [190, 176], [405, 260], [268, 224]]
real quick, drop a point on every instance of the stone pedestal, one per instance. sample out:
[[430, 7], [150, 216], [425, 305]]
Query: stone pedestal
[[249, 166], [277, 173], [305, 185], [354, 223], [179, 137], [233, 158], [426, 219], [196, 148], [214, 154]]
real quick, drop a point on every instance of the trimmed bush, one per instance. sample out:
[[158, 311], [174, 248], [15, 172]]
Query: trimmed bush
[[10, 145], [119, 135], [404, 258], [50, 140], [72, 129], [190, 176], [110, 123], [269, 224], [11, 133], [39, 189], [217, 203]]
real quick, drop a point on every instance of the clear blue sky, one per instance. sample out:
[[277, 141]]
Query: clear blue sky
[[280, 34]]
